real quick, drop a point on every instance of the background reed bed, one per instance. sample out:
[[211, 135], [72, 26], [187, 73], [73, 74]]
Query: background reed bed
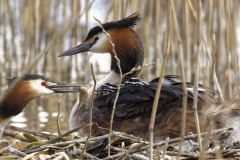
[[28, 27]]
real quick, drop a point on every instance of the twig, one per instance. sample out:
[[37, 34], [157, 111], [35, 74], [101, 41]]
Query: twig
[[15, 151], [215, 139], [187, 39], [36, 133], [138, 69], [30, 151], [85, 146], [158, 152], [228, 50], [205, 140], [91, 106], [90, 112], [15, 135], [137, 139], [119, 83], [157, 94], [165, 147], [196, 80], [188, 155], [213, 60], [82, 141], [157, 39], [58, 124], [185, 93]]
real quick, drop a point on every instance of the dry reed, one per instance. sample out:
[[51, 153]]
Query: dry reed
[[34, 33]]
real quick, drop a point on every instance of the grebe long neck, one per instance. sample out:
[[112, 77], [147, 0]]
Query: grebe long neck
[[129, 50]]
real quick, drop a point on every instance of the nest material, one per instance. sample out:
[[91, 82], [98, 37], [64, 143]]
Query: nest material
[[36, 145]]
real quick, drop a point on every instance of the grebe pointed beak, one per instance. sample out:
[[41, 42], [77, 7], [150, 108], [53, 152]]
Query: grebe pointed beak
[[65, 87], [78, 49]]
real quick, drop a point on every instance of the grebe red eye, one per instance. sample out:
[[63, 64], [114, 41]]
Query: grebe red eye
[[43, 83], [96, 38]]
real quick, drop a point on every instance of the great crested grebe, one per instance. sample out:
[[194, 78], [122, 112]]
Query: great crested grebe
[[135, 102], [29, 87]]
